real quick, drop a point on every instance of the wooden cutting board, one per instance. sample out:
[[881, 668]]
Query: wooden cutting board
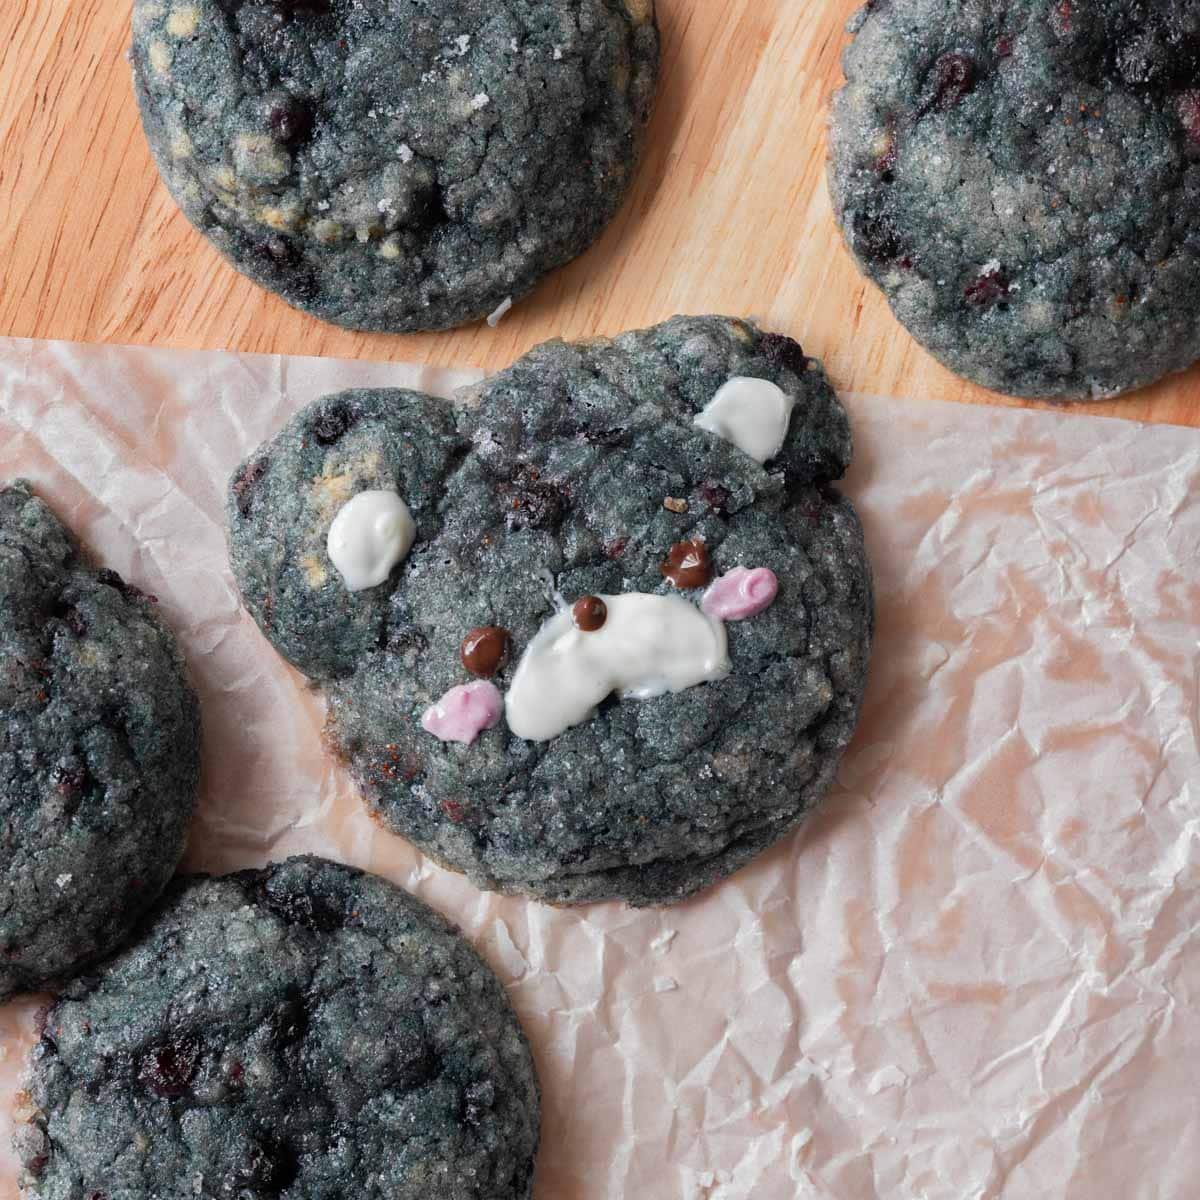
[[729, 214]]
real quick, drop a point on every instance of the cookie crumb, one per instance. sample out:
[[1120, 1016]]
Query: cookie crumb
[[664, 940], [675, 504], [498, 315]]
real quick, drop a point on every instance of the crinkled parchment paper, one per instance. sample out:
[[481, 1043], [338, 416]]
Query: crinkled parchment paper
[[974, 974]]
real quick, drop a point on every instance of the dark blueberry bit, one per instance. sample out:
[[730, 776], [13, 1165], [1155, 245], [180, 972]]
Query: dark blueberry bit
[[991, 286], [281, 251], [533, 502], [954, 78], [266, 1167], [332, 423], [1005, 45], [290, 119], [783, 353], [302, 8], [454, 810], [309, 909], [404, 635], [167, 1070], [112, 579], [615, 548], [715, 496], [37, 1166], [614, 436], [248, 479], [70, 779], [876, 237], [289, 1022], [412, 1061]]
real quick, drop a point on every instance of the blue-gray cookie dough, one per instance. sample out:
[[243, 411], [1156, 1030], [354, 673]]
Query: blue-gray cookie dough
[[393, 164], [306, 1031], [1022, 180], [557, 474], [99, 751]]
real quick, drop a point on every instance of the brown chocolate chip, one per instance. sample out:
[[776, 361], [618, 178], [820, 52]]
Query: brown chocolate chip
[[484, 650], [589, 613], [687, 565]]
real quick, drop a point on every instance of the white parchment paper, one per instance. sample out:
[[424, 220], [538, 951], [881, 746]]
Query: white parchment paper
[[973, 975]]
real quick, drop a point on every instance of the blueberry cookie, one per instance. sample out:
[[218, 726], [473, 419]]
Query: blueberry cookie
[[99, 752], [1023, 182], [393, 164], [306, 1031], [601, 632]]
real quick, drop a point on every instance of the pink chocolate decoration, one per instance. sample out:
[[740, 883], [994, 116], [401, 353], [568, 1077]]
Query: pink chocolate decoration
[[741, 594], [464, 712]]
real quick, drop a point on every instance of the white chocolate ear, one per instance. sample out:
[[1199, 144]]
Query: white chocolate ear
[[371, 533], [753, 414]]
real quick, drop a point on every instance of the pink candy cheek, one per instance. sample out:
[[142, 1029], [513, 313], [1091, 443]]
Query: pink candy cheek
[[463, 713], [741, 594], [760, 589]]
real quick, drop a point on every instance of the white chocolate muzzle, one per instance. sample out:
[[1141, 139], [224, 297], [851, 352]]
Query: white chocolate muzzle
[[649, 646]]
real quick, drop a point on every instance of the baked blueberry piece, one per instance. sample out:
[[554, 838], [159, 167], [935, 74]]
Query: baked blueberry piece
[[476, 589], [99, 752], [306, 1031], [1022, 180], [395, 164]]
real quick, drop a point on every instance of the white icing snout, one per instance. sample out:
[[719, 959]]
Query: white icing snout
[[372, 532], [648, 646], [753, 414]]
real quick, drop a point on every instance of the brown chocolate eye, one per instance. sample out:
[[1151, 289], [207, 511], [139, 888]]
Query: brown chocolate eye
[[687, 565], [485, 649], [589, 613]]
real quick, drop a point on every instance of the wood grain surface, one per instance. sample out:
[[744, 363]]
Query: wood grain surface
[[729, 214]]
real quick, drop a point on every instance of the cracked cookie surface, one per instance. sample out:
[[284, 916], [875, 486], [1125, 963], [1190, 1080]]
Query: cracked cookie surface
[[576, 471], [390, 164], [305, 1031], [1022, 181], [99, 751]]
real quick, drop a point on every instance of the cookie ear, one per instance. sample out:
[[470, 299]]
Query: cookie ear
[[819, 447], [369, 465], [723, 368]]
